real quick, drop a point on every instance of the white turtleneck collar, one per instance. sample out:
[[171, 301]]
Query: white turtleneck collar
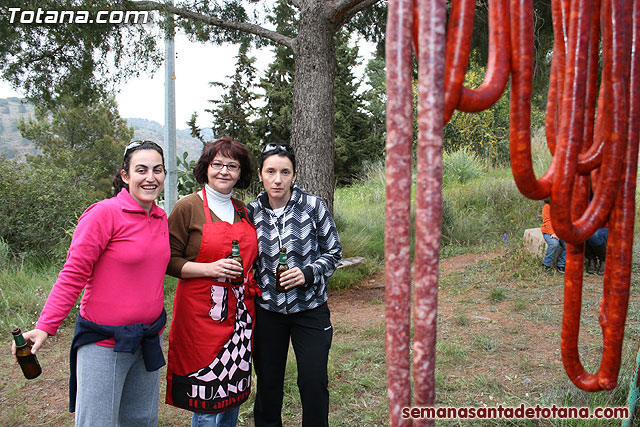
[[220, 204]]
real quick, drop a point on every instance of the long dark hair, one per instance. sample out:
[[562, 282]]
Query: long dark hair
[[118, 183], [229, 148]]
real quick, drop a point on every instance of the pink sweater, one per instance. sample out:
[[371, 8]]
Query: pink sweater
[[119, 256]]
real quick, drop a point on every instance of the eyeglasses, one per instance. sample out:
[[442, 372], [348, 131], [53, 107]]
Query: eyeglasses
[[231, 167], [273, 147], [135, 144]]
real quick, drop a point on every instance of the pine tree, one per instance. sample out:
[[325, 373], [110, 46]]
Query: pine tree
[[234, 112], [86, 140], [354, 143]]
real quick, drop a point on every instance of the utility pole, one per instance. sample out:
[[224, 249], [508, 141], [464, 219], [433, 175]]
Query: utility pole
[[171, 184]]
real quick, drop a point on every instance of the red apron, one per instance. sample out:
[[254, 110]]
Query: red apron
[[210, 336]]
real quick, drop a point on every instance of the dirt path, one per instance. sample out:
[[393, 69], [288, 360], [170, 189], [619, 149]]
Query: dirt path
[[363, 306]]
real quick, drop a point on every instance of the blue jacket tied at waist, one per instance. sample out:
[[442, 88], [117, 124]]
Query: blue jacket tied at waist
[[127, 337]]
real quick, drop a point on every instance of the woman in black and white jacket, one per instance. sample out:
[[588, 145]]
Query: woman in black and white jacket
[[285, 215]]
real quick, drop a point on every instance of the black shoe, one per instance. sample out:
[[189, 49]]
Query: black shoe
[[601, 255], [591, 266], [561, 269], [546, 268]]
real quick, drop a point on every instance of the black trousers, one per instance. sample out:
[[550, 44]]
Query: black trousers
[[311, 333]]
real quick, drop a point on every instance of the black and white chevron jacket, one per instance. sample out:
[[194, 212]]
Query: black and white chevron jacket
[[306, 229]]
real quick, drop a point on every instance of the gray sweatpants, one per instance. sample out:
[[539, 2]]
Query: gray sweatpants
[[115, 389]]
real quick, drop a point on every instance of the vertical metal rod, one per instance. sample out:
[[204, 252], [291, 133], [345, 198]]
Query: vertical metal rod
[[431, 46], [171, 183], [398, 207], [634, 394]]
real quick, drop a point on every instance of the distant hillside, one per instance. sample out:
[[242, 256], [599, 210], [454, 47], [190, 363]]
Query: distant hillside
[[12, 110], [152, 130]]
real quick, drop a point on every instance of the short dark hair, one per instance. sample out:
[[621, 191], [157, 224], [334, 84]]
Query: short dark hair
[[118, 183], [280, 150], [229, 148]]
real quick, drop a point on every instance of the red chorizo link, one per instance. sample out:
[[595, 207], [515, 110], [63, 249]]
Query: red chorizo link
[[458, 48], [570, 142], [592, 78], [398, 209], [498, 65], [592, 158], [614, 304], [620, 249], [556, 78], [521, 32], [563, 8], [551, 117], [571, 321], [573, 301], [571, 125]]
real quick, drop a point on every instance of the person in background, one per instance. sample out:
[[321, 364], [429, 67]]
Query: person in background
[[210, 342], [595, 251], [286, 216], [554, 245], [118, 256]]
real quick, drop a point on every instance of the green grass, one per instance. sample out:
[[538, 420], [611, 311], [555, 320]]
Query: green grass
[[485, 210], [486, 342], [484, 214], [451, 352], [24, 288], [497, 295]]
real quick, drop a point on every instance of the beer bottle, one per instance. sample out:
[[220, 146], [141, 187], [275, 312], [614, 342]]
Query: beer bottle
[[235, 254], [28, 362], [282, 267]]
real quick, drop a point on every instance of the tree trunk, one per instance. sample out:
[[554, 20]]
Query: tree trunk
[[312, 127]]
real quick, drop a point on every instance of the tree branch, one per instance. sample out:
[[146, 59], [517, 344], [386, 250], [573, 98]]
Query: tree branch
[[344, 10], [47, 54], [230, 25]]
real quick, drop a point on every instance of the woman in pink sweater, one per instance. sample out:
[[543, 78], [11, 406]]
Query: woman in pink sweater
[[118, 256]]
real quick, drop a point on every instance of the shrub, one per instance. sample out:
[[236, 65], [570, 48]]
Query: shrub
[[5, 254], [460, 166], [39, 203], [486, 210], [486, 133]]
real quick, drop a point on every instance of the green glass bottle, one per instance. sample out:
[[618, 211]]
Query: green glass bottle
[[235, 254], [282, 267], [28, 362]]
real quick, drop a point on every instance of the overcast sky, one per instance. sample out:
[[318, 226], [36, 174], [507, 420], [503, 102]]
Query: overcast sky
[[196, 65]]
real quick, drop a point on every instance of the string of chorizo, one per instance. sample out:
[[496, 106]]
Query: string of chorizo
[[398, 207], [458, 48], [570, 143]]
